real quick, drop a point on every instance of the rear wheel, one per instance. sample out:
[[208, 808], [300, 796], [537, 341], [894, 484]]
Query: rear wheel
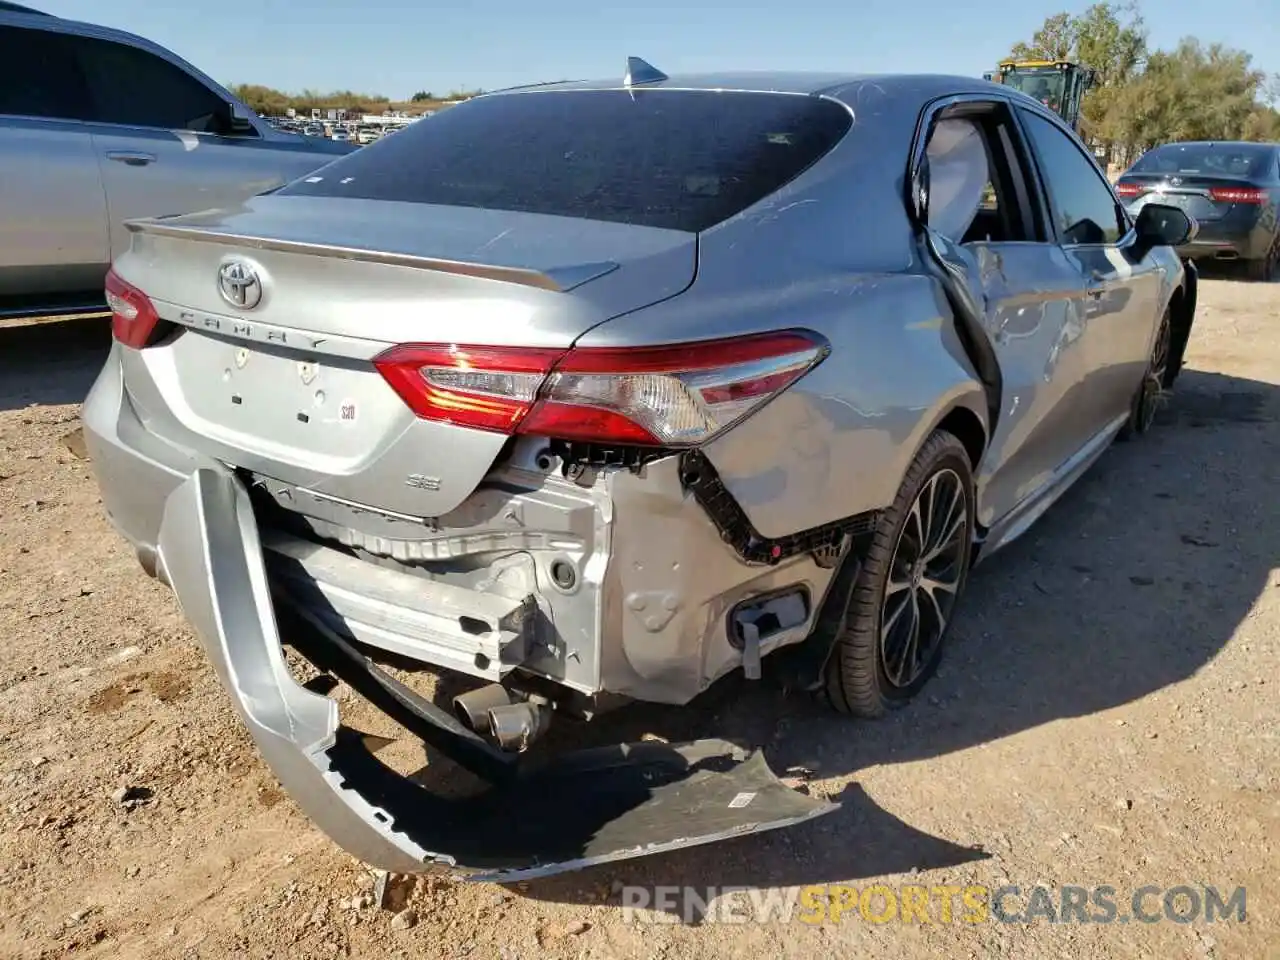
[[901, 606], [1264, 269]]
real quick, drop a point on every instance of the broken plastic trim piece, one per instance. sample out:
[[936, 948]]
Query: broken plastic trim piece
[[587, 808], [699, 477], [583, 808], [803, 666]]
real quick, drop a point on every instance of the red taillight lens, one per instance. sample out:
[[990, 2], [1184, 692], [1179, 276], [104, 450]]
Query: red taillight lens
[[668, 396], [659, 396], [1129, 189], [489, 388], [133, 316], [1238, 194]]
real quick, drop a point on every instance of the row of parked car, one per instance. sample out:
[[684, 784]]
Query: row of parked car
[[362, 134]]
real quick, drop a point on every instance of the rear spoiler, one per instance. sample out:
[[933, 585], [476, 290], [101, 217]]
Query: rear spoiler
[[556, 279]]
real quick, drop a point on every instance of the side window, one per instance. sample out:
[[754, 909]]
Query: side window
[[1083, 206], [976, 192], [135, 88], [39, 77]]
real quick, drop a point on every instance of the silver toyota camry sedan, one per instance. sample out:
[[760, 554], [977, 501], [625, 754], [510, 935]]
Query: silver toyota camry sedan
[[597, 392]]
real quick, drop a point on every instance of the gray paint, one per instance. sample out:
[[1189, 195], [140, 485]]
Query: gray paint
[[835, 251], [70, 185]]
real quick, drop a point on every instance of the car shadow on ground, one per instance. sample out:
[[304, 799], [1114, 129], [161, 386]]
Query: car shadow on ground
[[1229, 270], [51, 363], [1131, 583]]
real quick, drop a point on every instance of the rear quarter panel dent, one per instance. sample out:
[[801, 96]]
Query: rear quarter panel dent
[[839, 442]]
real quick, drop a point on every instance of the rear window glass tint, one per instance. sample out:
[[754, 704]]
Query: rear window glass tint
[[682, 160], [1206, 159]]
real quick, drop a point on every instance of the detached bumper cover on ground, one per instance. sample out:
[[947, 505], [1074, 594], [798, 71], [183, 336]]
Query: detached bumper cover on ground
[[588, 807]]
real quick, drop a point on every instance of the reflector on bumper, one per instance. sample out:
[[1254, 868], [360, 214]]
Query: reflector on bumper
[[588, 807]]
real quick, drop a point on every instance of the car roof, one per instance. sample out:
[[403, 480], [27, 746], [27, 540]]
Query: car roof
[[841, 86], [28, 17], [38, 20]]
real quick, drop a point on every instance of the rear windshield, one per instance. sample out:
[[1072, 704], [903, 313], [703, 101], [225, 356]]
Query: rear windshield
[[1206, 159], [683, 160]]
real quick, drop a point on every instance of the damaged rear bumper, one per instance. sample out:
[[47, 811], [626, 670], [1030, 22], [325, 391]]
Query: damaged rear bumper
[[627, 801], [663, 573]]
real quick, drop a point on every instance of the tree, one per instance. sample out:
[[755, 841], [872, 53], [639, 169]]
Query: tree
[[262, 100], [1055, 40], [270, 102], [1142, 98], [1110, 38], [422, 95], [1194, 92]]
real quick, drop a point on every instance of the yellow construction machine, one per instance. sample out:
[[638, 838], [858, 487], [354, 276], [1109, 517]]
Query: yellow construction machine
[[1058, 84]]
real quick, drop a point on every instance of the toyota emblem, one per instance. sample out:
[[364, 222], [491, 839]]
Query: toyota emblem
[[239, 284]]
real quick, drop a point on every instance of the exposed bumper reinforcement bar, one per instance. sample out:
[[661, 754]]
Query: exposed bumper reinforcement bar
[[584, 808]]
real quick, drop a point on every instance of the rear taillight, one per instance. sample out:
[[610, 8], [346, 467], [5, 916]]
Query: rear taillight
[[1238, 194], [133, 316], [1129, 189], [489, 388], [654, 396]]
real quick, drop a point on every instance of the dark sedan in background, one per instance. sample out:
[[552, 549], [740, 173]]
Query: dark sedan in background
[[1232, 189]]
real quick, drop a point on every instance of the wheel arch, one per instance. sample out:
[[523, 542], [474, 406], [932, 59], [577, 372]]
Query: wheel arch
[[962, 414], [1182, 313], [967, 427]]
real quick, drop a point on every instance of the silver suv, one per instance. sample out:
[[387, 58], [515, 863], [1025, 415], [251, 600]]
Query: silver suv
[[98, 126]]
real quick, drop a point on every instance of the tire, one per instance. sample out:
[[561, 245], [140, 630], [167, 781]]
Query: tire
[[1264, 269], [1152, 390], [860, 679]]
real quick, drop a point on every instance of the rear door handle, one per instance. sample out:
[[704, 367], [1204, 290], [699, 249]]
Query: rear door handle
[[132, 158]]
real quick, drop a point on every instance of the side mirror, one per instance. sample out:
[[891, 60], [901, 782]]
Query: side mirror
[[238, 120], [1162, 225]]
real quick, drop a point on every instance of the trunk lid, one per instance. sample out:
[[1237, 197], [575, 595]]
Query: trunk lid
[[1189, 192], [287, 387]]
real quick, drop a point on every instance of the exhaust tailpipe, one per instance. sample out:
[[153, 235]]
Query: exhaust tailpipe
[[515, 726], [473, 707]]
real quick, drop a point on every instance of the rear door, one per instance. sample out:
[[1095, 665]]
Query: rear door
[[1027, 296], [53, 231], [161, 143], [1123, 290]]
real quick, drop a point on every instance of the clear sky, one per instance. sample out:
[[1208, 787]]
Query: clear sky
[[395, 47]]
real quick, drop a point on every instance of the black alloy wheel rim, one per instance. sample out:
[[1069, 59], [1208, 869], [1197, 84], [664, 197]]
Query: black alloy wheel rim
[[1153, 386], [924, 578]]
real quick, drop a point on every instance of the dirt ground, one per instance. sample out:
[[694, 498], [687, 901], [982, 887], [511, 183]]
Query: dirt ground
[[1107, 714]]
